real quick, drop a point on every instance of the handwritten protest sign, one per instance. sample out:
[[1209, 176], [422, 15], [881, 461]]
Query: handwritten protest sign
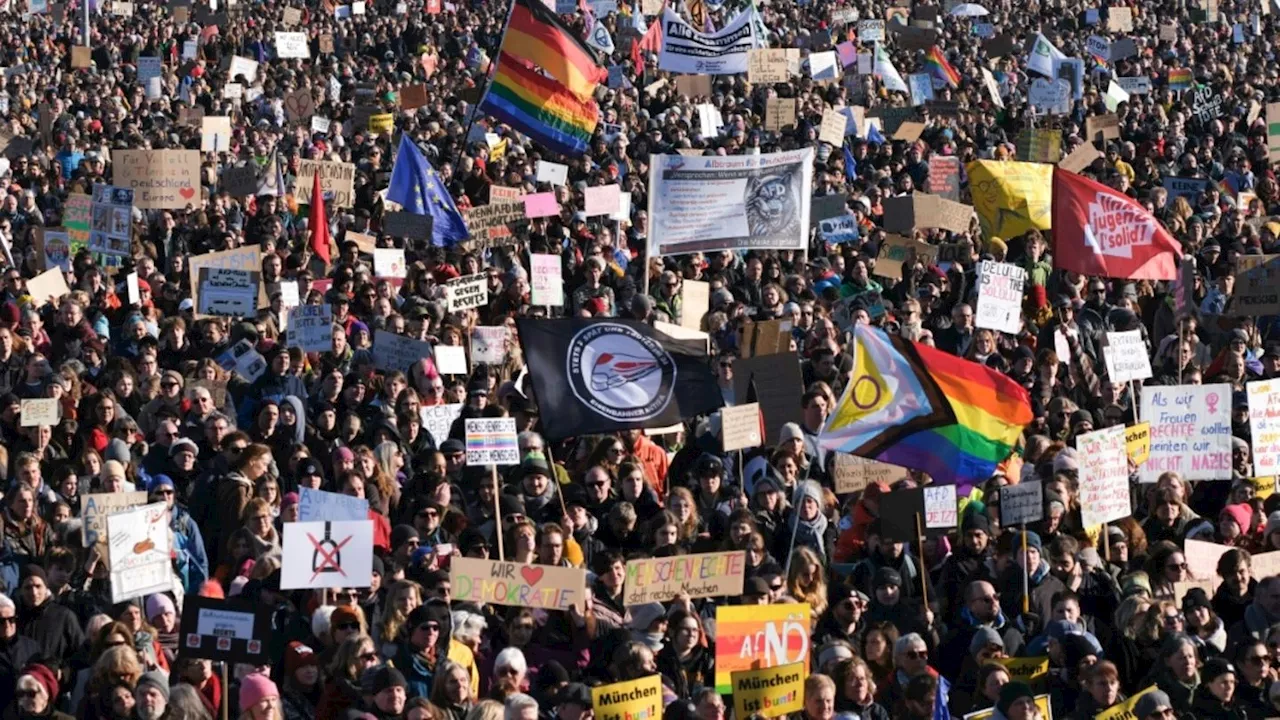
[[1000, 296], [698, 576], [159, 179], [754, 637], [1137, 441], [468, 292], [95, 507], [138, 542], [291, 45], [1104, 476], [853, 473], [438, 419], [1127, 357], [397, 352], [492, 441], [311, 328], [337, 182], [318, 506], [770, 692], [1257, 286], [546, 281], [740, 426], [39, 411], [940, 509], [1264, 565], [1264, 424], [1021, 503], [1190, 431], [517, 584]]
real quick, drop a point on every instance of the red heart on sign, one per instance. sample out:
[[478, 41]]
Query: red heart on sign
[[187, 193], [531, 575]]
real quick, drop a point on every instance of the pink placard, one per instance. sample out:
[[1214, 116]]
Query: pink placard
[[539, 205], [602, 200], [848, 54]]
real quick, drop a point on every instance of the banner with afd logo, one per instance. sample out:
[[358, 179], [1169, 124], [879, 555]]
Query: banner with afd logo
[[755, 637]]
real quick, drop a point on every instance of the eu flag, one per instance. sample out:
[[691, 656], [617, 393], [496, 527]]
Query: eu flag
[[850, 165], [416, 186]]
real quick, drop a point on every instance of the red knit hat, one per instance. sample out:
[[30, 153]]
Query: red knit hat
[[45, 677], [298, 656]]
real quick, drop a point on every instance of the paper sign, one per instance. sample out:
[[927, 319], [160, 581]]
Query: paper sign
[[39, 411], [740, 426], [397, 352], [705, 575], [489, 344], [1137, 442], [451, 359], [1021, 503], [138, 548], [832, 129], [1120, 19], [553, 173], [633, 699], [389, 263], [337, 554], [1190, 431], [771, 692], [319, 506], [468, 292], [48, 284], [1126, 356], [228, 293], [291, 45], [492, 441], [1000, 296], [517, 584], [853, 473], [438, 419], [940, 509], [1080, 158], [1104, 476], [159, 179], [755, 637], [311, 328], [1264, 424], [215, 133], [243, 66], [694, 301], [95, 507], [545, 280], [537, 205], [601, 200]]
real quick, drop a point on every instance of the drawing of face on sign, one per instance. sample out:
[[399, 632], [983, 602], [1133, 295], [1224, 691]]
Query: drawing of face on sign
[[772, 206]]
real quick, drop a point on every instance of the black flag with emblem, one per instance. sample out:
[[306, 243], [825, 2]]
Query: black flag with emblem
[[601, 375]]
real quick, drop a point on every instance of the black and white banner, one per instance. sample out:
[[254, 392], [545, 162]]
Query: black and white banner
[[724, 52]]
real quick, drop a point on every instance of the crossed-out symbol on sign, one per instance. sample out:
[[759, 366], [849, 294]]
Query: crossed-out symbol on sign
[[323, 560]]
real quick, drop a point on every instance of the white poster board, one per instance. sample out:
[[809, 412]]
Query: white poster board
[[546, 280], [311, 328], [292, 45], [468, 292], [1264, 426], [492, 441], [138, 550], [327, 554], [438, 419], [1104, 476], [489, 344], [1000, 296], [318, 506], [1190, 431], [1126, 356]]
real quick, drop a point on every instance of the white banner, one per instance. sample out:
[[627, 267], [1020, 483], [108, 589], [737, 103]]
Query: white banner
[[724, 52], [1104, 476], [138, 551], [1000, 296], [1264, 425], [1190, 431], [1126, 356], [729, 203], [327, 554]]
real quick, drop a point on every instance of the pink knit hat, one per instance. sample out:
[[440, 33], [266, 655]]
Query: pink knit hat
[[254, 689]]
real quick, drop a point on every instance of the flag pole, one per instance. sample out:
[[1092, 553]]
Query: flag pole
[[488, 84]]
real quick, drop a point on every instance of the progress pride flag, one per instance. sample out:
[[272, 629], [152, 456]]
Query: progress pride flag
[[1099, 231]]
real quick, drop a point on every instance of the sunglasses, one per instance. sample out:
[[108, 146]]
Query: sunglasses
[[429, 627], [348, 626]]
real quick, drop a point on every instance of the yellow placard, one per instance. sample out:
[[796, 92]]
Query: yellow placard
[[382, 123], [1137, 440], [1263, 487], [1124, 710], [771, 692], [1033, 671], [1011, 197], [1042, 702], [632, 700]]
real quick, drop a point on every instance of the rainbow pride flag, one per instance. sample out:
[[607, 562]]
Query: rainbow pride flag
[[1180, 79], [922, 408], [540, 107], [937, 63]]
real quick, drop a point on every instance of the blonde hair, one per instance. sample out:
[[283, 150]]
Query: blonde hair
[[486, 710], [393, 620], [816, 592], [116, 661]]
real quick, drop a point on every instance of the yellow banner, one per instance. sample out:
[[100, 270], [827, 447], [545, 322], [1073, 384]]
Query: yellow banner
[[382, 123], [1011, 197], [1042, 702], [1263, 487], [1124, 710], [1137, 440], [771, 692], [1033, 671], [632, 700]]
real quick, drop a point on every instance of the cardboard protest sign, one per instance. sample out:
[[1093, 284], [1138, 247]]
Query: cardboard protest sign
[[159, 179], [311, 328], [629, 700], [299, 105], [1126, 356], [545, 280], [1021, 503], [397, 352], [1257, 286], [234, 630], [1264, 424], [770, 692], [39, 411], [492, 441], [1120, 19], [831, 131], [95, 507], [704, 575], [1100, 128], [896, 251], [1137, 442], [489, 344], [853, 473], [138, 547], [775, 381], [1202, 560], [49, 284], [517, 584], [1000, 296], [740, 426], [215, 133], [785, 630], [779, 113], [327, 554], [766, 66], [1104, 476], [81, 57], [337, 182], [904, 215], [1190, 431], [321, 506], [1080, 158], [468, 292], [1264, 565]]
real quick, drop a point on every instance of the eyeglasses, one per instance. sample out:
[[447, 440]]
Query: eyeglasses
[[1259, 660], [1176, 566], [26, 694], [429, 627], [1173, 619], [915, 654], [428, 513], [348, 626]]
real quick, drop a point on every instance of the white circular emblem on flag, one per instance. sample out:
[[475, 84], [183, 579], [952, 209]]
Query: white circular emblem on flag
[[620, 373]]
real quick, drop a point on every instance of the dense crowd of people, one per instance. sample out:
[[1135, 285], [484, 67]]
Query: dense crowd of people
[[946, 627]]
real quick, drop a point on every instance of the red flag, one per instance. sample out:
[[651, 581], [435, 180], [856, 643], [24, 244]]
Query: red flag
[[652, 42], [318, 222], [1100, 231]]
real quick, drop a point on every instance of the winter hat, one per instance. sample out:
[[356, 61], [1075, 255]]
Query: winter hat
[[643, 616], [159, 681], [402, 534], [376, 679], [1215, 668], [1150, 703], [1195, 598], [790, 431], [1076, 648], [887, 576], [809, 489], [1273, 523], [1010, 693], [343, 615], [983, 637], [1242, 514], [298, 656], [254, 689], [320, 620], [158, 605], [43, 675]]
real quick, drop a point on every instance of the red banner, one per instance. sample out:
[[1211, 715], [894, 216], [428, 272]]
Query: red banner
[[1100, 231]]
